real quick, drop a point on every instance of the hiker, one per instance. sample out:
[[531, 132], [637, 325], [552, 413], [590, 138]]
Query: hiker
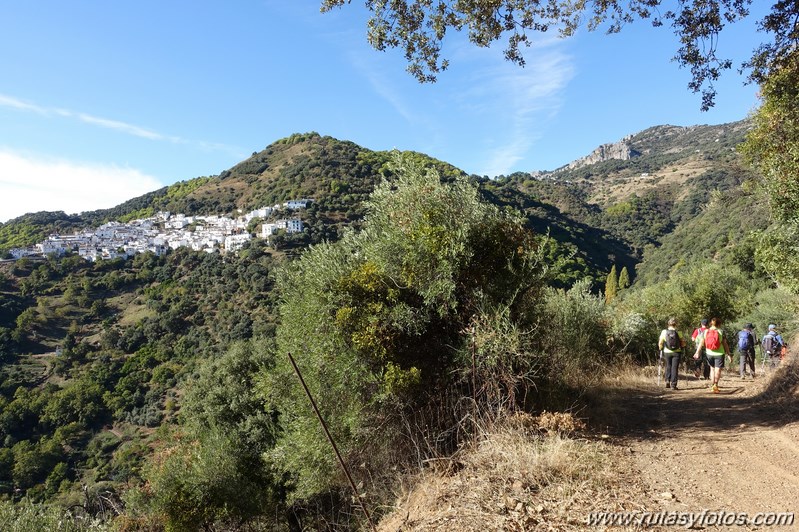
[[716, 348], [746, 350], [671, 345], [772, 345], [701, 367]]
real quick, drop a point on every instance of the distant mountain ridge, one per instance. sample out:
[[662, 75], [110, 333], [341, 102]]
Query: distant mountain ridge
[[610, 204], [620, 150], [653, 159]]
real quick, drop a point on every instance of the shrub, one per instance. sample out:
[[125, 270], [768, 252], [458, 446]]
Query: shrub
[[376, 323], [573, 332]]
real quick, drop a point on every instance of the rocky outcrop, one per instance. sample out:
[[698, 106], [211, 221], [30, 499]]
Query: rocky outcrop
[[618, 150]]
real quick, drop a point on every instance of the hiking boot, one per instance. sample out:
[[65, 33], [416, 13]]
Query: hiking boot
[[668, 385], [716, 388]]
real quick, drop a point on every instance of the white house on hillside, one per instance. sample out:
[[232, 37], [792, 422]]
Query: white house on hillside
[[236, 242], [291, 226], [297, 204]]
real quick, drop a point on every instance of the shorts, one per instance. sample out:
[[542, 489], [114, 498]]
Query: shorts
[[715, 361]]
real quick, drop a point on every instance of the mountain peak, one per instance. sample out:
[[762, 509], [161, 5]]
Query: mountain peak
[[621, 150]]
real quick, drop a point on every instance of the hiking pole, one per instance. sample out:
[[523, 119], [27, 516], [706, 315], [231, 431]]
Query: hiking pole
[[660, 367], [332, 443]]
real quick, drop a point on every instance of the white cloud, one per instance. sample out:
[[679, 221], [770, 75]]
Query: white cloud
[[505, 108], [8, 101], [29, 184], [531, 98], [115, 125], [383, 84], [130, 129], [521, 101]]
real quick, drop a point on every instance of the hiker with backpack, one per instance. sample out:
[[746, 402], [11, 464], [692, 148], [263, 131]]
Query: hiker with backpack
[[772, 345], [701, 366], [746, 350], [671, 345], [716, 348]]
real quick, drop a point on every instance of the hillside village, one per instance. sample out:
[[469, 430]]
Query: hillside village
[[164, 231]]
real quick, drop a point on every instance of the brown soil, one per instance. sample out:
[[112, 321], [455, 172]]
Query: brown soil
[[736, 451], [682, 451]]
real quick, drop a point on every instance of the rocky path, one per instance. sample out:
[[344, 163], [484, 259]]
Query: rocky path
[[736, 451]]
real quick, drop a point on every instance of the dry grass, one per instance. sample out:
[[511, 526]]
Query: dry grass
[[132, 309], [781, 388], [619, 187], [544, 472], [525, 473]]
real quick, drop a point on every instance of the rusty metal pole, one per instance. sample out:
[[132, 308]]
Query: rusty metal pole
[[332, 442], [474, 365]]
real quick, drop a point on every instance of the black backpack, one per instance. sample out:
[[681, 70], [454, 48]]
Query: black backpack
[[770, 344], [672, 339]]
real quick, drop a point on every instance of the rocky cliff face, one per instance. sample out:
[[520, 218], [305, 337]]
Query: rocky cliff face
[[617, 150]]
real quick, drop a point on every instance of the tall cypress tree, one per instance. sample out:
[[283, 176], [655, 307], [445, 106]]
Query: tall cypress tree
[[611, 285], [624, 279]]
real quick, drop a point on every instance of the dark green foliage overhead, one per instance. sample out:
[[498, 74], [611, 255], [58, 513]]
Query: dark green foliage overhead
[[420, 27]]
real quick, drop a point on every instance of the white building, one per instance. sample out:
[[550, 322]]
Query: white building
[[177, 222], [53, 244], [263, 212], [297, 204], [18, 253], [236, 242], [291, 226]]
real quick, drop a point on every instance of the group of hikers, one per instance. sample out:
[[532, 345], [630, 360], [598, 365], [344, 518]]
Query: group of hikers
[[711, 348]]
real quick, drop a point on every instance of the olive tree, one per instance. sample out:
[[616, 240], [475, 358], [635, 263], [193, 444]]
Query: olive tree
[[377, 320]]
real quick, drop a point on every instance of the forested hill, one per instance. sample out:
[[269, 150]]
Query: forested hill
[[605, 209]]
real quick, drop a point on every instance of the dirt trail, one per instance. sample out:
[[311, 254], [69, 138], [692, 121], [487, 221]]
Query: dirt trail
[[736, 451]]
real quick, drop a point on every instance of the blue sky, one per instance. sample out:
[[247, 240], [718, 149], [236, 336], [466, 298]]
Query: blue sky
[[104, 101]]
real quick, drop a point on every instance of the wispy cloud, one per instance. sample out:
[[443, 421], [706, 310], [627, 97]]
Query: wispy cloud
[[32, 184], [14, 103], [521, 100], [384, 86], [405, 96], [130, 129], [498, 108], [116, 125]]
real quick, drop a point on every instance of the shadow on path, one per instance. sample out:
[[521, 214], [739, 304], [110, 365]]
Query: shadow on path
[[655, 412]]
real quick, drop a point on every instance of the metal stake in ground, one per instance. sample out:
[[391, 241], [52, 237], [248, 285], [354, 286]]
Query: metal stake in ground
[[332, 442]]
